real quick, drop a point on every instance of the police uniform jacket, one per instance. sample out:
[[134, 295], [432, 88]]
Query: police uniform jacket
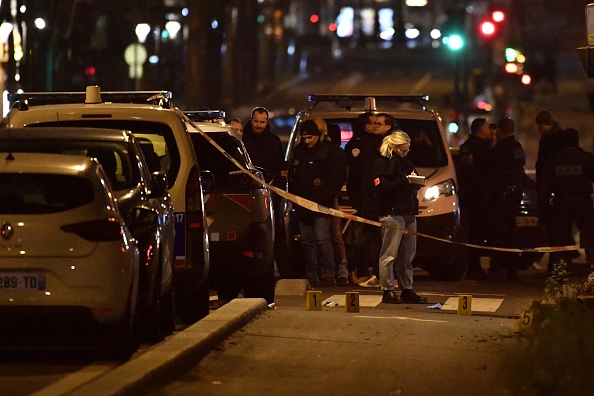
[[507, 164], [317, 174], [473, 171], [360, 152], [395, 195], [569, 172]]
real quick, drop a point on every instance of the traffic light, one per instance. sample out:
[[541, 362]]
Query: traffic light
[[454, 29], [490, 26]]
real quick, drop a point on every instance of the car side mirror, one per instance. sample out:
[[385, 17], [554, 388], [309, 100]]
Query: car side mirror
[[207, 181], [159, 185]]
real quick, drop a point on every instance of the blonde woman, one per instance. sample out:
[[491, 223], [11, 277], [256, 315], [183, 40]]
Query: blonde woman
[[398, 203]]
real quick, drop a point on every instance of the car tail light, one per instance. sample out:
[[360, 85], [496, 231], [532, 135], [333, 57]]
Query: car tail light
[[96, 230]]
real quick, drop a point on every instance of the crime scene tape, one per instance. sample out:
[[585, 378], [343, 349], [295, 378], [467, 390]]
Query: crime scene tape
[[315, 207]]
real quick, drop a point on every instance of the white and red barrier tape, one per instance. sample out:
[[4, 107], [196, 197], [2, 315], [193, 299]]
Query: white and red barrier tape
[[315, 207]]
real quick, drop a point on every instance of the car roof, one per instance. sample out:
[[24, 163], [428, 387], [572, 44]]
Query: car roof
[[66, 133], [212, 127], [65, 164]]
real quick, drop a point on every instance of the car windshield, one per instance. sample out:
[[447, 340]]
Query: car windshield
[[159, 134], [117, 161], [226, 173], [426, 148], [32, 193]]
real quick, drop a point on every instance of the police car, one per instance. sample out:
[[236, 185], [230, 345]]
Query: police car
[[439, 215]]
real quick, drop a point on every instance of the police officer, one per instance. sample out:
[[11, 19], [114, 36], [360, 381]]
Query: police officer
[[361, 151], [507, 162], [318, 171], [566, 194], [476, 192]]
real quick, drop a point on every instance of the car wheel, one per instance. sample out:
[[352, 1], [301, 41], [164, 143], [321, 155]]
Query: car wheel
[[453, 268], [167, 313], [286, 256], [193, 305], [262, 286]]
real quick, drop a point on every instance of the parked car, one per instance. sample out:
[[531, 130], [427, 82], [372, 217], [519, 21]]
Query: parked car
[[149, 116], [439, 212], [239, 210], [142, 198], [68, 263]]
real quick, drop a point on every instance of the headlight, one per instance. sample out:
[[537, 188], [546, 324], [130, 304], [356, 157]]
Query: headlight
[[446, 188]]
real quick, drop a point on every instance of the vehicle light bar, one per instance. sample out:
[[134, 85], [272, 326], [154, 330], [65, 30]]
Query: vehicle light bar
[[205, 115], [44, 98], [369, 101]]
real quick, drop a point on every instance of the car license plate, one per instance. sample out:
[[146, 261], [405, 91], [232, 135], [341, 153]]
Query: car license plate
[[22, 281], [526, 221]]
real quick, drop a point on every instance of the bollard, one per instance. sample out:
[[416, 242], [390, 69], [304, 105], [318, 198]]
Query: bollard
[[313, 301], [351, 301], [465, 304]]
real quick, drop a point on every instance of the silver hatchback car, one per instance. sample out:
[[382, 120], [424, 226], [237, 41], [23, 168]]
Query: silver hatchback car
[[69, 266]]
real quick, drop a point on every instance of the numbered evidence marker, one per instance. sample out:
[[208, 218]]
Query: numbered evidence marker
[[313, 300], [465, 304], [526, 317], [351, 301]]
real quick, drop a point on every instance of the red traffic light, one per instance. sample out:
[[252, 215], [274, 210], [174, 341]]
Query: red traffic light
[[498, 16], [487, 28]]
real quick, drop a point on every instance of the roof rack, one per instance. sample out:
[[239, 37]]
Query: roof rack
[[369, 101], [204, 115], [24, 100]]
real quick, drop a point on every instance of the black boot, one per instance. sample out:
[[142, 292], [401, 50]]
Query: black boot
[[410, 297], [390, 297]]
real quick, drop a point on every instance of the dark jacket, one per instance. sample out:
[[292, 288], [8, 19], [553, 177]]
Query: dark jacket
[[317, 174], [507, 164], [394, 193], [360, 152], [265, 150], [547, 146], [567, 172], [473, 171]]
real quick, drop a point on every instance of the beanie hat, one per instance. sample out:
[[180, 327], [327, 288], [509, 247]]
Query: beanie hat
[[544, 118], [309, 127]]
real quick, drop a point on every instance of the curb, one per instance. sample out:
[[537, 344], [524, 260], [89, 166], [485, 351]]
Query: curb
[[175, 354]]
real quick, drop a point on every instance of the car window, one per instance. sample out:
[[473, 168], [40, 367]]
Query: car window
[[160, 134], [32, 193], [117, 160], [227, 174], [426, 147]]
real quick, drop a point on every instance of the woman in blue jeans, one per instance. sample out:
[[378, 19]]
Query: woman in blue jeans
[[399, 205]]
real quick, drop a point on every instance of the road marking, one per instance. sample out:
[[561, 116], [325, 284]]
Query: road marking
[[401, 318], [478, 304], [369, 301]]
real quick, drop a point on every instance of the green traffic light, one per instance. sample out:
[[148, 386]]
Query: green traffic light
[[454, 42]]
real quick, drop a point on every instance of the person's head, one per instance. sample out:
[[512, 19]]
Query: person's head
[[237, 125], [322, 126], [544, 121], [397, 142], [259, 119], [569, 137], [364, 123], [310, 133], [383, 123], [505, 127], [480, 128]]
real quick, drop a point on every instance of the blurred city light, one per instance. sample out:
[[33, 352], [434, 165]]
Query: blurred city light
[[498, 16], [142, 30], [173, 27], [39, 23]]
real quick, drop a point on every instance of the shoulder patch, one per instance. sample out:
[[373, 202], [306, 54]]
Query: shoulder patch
[[355, 152]]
